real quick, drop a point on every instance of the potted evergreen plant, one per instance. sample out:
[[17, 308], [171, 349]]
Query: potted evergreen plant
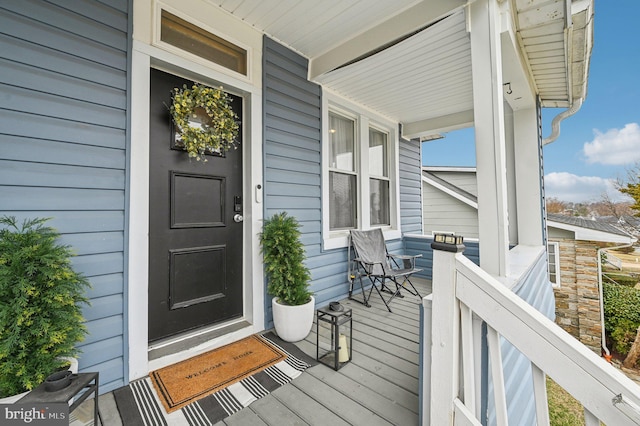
[[40, 295], [288, 277]]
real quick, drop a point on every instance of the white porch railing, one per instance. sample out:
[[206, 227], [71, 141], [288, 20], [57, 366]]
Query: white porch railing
[[463, 297], [614, 261]]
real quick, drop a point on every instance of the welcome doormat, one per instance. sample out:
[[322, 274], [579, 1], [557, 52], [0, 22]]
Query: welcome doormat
[[186, 381], [141, 403]]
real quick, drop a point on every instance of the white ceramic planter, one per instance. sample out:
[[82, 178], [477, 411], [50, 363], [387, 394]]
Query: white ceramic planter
[[13, 398], [293, 323]]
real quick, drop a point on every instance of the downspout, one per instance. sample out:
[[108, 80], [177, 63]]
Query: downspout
[[607, 354], [555, 124]]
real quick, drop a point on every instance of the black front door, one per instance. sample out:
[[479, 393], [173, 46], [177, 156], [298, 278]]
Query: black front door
[[195, 245]]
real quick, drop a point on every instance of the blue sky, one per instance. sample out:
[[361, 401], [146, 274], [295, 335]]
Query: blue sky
[[602, 140]]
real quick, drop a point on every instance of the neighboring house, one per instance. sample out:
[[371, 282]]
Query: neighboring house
[[626, 223], [573, 264], [572, 246], [334, 98]]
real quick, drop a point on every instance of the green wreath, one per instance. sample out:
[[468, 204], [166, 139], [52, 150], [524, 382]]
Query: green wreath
[[218, 132]]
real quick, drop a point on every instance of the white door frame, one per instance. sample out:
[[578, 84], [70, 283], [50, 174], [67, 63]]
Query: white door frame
[[145, 56]]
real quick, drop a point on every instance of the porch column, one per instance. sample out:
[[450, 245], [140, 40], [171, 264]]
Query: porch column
[[486, 62], [528, 167]]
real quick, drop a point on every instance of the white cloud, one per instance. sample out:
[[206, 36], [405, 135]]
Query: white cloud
[[615, 147], [569, 187]]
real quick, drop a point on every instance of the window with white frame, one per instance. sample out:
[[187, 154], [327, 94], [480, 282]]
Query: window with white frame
[[553, 255], [361, 174], [378, 177], [343, 173]]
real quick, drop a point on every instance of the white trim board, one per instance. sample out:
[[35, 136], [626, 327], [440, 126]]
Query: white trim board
[[144, 57], [586, 234], [448, 191]]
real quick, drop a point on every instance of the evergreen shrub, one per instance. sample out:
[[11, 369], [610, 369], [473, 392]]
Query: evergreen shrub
[[40, 295], [288, 277]]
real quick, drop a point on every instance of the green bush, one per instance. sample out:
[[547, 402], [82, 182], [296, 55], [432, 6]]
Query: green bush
[[623, 335], [284, 256], [621, 314], [40, 317]]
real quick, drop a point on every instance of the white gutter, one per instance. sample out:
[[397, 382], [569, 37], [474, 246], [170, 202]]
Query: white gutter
[[601, 298]]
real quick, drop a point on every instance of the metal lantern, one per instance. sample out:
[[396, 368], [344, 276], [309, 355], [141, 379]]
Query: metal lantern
[[334, 335]]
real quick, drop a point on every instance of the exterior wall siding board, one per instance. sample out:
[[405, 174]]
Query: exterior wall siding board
[[287, 139], [65, 64], [27, 77], [63, 153], [65, 68], [104, 350], [110, 373], [70, 22], [410, 186], [79, 221], [292, 173], [113, 13], [104, 307], [105, 285], [36, 104], [59, 176], [94, 243], [53, 129], [60, 40]]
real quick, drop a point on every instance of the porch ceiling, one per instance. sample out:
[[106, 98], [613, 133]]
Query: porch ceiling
[[410, 60]]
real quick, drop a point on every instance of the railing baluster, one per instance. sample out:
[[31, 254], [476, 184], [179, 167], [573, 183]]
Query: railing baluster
[[497, 375], [540, 395], [468, 359]]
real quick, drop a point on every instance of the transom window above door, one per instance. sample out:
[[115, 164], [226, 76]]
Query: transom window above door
[[197, 41], [360, 173]]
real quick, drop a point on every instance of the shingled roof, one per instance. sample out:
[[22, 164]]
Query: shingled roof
[[588, 224]]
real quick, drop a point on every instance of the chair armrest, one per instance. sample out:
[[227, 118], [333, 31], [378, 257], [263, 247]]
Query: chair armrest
[[408, 261], [405, 256]]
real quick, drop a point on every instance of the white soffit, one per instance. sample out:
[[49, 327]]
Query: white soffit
[[541, 28], [425, 76], [313, 27]]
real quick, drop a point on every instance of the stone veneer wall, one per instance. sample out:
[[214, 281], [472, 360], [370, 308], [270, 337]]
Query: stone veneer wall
[[577, 299]]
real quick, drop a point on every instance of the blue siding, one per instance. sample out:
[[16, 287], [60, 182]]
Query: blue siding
[[63, 78], [292, 152], [410, 186]]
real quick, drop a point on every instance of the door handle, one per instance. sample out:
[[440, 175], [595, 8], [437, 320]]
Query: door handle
[[238, 218]]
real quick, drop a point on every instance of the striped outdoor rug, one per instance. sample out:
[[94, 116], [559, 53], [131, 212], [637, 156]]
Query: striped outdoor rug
[[139, 404]]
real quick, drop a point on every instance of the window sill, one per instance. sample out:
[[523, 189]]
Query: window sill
[[340, 239]]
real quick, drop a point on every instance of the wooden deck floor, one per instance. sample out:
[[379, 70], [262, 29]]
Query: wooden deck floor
[[379, 386]]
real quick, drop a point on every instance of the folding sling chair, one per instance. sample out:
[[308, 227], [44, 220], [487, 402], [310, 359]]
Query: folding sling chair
[[372, 260]]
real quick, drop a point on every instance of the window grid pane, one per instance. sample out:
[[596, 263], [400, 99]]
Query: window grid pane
[[553, 259], [342, 143], [379, 199], [378, 163], [342, 201]]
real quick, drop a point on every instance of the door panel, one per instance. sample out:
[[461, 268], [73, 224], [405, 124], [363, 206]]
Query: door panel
[[195, 246]]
